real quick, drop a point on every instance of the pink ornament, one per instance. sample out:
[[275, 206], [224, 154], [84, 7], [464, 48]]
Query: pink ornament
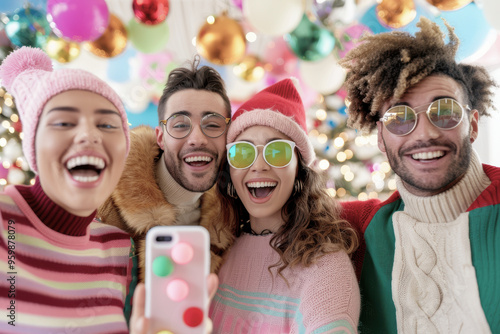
[[279, 57], [350, 37], [150, 11], [79, 20]]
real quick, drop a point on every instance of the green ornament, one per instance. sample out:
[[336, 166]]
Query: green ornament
[[162, 266], [28, 27], [309, 41]]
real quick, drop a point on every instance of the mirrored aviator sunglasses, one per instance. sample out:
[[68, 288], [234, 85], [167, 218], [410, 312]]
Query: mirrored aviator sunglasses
[[445, 114], [277, 153]]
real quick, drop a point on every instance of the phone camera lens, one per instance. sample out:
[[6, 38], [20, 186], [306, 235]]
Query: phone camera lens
[[164, 238]]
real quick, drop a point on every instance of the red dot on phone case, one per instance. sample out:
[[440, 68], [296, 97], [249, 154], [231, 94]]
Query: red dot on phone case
[[182, 253], [177, 290], [193, 316]]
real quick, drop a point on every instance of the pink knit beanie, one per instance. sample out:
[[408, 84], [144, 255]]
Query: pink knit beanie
[[279, 106], [27, 74]]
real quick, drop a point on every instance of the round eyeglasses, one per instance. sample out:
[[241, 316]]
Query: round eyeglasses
[[444, 113], [277, 153], [179, 126]]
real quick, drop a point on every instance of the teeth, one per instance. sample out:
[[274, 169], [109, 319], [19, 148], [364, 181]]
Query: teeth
[[86, 160], [427, 155], [85, 178], [261, 184], [198, 158]]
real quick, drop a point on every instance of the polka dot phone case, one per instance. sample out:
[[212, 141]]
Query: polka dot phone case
[[177, 266]]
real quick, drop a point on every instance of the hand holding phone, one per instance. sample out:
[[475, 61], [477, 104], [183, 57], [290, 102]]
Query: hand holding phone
[[177, 265]]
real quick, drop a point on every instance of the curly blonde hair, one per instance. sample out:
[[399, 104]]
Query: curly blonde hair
[[384, 66], [312, 228]]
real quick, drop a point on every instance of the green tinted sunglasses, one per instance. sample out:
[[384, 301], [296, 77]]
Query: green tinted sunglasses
[[277, 153]]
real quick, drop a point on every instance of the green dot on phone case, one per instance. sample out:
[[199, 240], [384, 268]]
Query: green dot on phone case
[[162, 266]]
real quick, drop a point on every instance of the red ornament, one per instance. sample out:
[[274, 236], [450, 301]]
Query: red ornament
[[150, 11]]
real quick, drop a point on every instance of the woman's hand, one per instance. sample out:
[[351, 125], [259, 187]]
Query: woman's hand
[[139, 324]]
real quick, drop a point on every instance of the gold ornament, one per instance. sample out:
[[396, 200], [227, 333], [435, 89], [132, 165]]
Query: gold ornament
[[449, 4], [249, 69], [112, 42], [221, 40], [396, 13], [61, 50]]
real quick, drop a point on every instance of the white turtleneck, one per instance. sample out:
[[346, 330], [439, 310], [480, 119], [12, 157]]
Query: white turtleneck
[[187, 203], [434, 285]]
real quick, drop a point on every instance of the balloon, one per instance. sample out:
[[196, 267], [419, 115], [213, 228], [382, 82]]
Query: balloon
[[147, 38], [249, 69], [28, 27], [61, 50], [491, 8], [310, 42], [150, 11], [279, 59], [112, 42], [221, 42], [324, 76], [396, 13], [273, 17], [350, 37], [118, 69], [78, 20], [449, 4]]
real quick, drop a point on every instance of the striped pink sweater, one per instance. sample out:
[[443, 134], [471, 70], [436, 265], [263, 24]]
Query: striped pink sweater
[[322, 298], [55, 282]]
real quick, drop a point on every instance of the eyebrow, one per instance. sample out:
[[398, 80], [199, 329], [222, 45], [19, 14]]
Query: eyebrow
[[267, 141], [434, 99], [73, 109]]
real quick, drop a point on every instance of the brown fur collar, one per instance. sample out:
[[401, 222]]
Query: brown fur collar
[[138, 204]]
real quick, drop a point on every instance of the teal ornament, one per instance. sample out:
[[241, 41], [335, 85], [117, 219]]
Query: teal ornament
[[28, 27], [309, 41]]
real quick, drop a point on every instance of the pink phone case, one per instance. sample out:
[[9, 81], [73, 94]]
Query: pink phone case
[[177, 266]]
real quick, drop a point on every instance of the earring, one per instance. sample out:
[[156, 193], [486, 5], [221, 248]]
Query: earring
[[231, 191], [298, 185]]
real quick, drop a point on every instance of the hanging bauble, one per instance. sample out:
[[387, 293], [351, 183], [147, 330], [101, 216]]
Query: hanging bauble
[[275, 17], [491, 9], [221, 40], [249, 68], [150, 11], [147, 38], [350, 37], [449, 4], [16, 176], [28, 27], [78, 20], [62, 50], [309, 41], [112, 42], [396, 13], [325, 76], [279, 59]]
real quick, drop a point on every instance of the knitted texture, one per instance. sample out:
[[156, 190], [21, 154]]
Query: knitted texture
[[279, 106], [62, 283], [322, 298], [27, 74], [434, 282]]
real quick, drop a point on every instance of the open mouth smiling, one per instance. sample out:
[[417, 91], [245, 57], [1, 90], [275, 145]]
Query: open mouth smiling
[[198, 160], [261, 189], [85, 168]]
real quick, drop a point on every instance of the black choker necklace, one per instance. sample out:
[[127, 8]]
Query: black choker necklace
[[245, 227]]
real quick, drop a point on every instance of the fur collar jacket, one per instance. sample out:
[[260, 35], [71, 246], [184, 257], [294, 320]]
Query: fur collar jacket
[[137, 204]]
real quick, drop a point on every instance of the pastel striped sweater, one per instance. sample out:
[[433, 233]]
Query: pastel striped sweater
[[70, 277], [322, 298]]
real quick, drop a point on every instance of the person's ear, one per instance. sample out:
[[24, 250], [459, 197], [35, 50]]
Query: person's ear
[[474, 125], [380, 137], [159, 136]]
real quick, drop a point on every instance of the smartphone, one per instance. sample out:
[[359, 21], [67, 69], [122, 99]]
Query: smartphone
[[177, 266]]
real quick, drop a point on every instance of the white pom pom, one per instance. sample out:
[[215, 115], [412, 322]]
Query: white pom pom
[[23, 59]]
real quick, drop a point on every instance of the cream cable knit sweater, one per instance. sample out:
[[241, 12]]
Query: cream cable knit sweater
[[434, 284]]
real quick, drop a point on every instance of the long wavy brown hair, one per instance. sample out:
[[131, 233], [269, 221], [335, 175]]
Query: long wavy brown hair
[[384, 66], [312, 226]]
